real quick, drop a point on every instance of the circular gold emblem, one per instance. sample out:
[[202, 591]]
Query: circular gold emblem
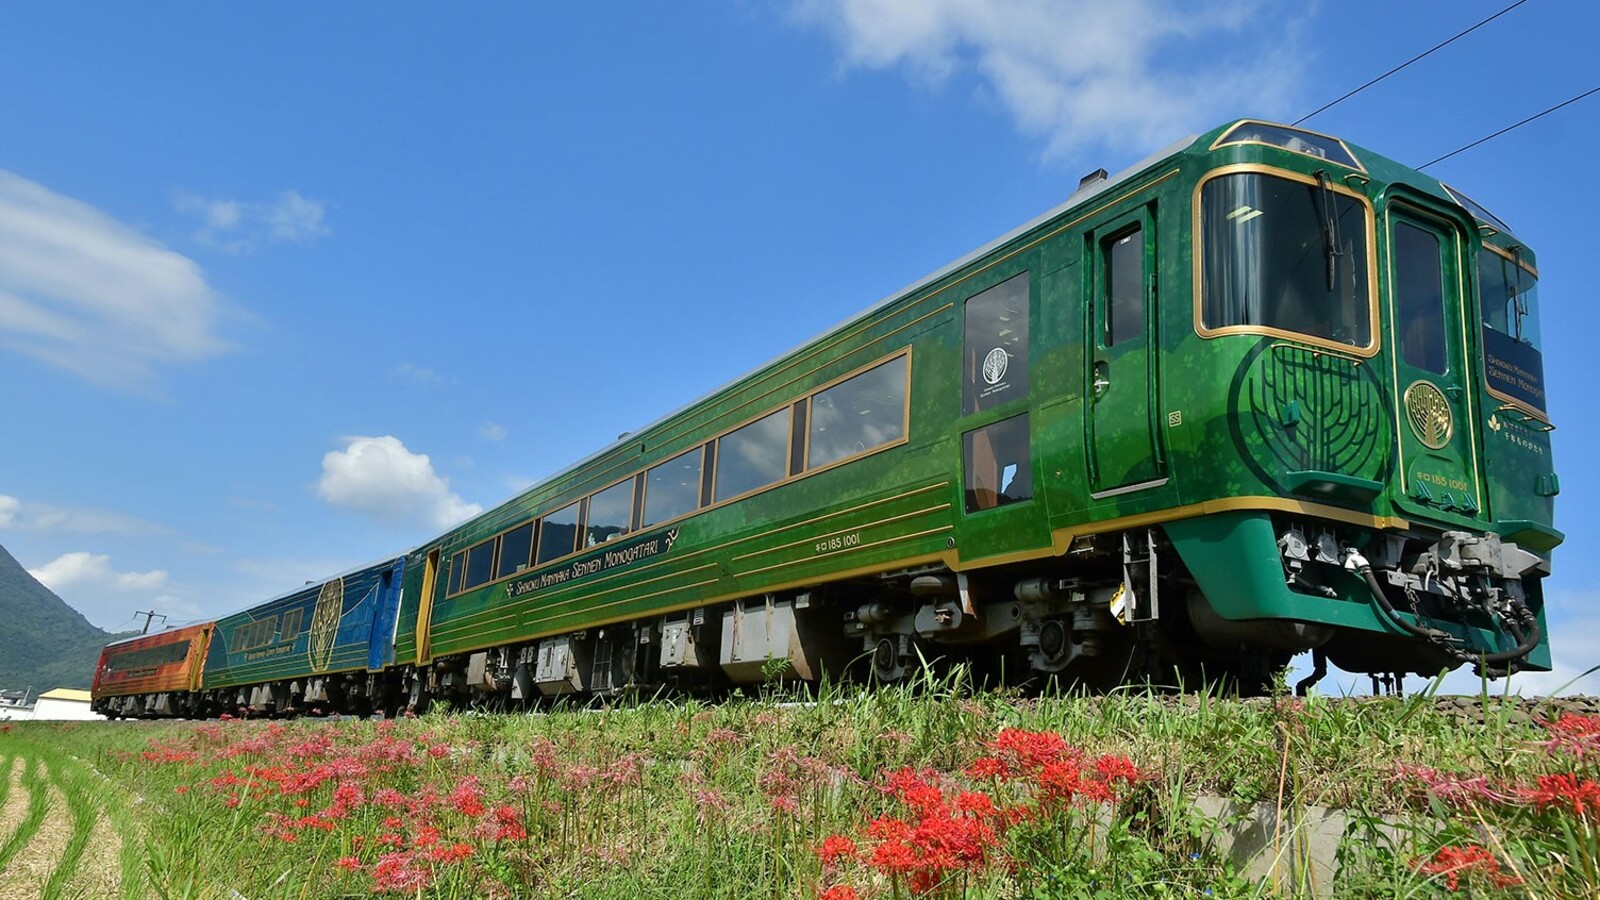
[[1429, 414], [325, 624]]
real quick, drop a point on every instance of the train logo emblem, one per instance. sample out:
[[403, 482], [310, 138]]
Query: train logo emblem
[[1429, 414], [325, 624], [994, 365]]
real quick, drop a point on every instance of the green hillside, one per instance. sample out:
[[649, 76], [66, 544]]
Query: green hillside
[[43, 641]]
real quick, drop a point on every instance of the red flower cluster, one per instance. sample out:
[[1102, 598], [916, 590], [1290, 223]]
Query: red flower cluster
[[1471, 861], [951, 831]]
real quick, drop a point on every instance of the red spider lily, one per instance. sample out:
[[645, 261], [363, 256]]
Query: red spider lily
[[399, 871], [840, 892], [181, 789], [1574, 735], [1454, 789], [507, 824], [1454, 861], [836, 847], [468, 798], [1568, 792], [348, 863]]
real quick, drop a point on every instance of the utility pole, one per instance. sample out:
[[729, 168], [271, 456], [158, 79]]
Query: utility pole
[[149, 615]]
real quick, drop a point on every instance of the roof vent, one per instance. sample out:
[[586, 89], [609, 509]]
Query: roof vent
[[1091, 179]]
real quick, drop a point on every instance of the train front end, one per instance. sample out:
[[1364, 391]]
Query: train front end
[[1376, 448]]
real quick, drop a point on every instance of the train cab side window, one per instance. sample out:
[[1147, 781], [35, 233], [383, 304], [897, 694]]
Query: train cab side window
[[480, 565], [858, 414], [1508, 293], [1419, 297], [753, 456], [516, 549], [610, 514], [995, 362], [997, 468], [558, 536], [1124, 268], [672, 489]]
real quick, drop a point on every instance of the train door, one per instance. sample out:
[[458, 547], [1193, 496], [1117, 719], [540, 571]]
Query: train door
[[430, 574], [1438, 464], [1125, 452]]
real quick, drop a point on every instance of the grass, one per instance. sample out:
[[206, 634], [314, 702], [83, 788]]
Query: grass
[[937, 790]]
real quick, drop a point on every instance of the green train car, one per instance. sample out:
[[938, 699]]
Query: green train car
[[1263, 393]]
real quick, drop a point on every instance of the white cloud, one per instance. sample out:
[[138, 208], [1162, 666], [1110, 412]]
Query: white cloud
[[1134, 75], [419, 374], [82, 291], [85, 571], [378, 477], [34, 516], [492, 431], [237, 226]]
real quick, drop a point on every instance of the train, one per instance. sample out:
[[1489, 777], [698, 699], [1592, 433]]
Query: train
[[1266, 392]]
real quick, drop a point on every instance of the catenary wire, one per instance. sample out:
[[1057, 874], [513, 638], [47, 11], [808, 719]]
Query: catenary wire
[[1332, 103], [1508, 128]]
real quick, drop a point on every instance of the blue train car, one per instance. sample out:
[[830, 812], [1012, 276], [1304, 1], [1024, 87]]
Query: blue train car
[[320, 647]]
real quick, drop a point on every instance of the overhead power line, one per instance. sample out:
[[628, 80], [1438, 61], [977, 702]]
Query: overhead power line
[[1539, 115], [1329, 105]]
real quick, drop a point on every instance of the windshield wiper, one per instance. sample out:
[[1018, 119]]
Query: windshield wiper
[[1330, 228]]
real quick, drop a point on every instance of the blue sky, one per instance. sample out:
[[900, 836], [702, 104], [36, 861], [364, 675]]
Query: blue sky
[[287, 287]]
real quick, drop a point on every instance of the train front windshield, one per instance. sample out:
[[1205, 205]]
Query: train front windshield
[[1508, 293], [1285, 254]]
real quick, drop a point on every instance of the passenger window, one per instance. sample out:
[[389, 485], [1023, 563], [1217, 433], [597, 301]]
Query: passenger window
[[516, 548], [1124, 268], [865, 411], [995, 366], [458, 571], [558, 535], [291, 625], [610, 514], [998, 470], [672, 489], [753, 456], [1419, 293], [480, 565]]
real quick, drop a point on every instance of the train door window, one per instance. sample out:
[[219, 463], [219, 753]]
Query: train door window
[[516, 550], [753, 456], [291, 625], [859, 414], [672, 489], [480, 565], [1124, 262], [995, 363], [1419, 296], [610, 514], [558, 536], [1508, 292], [997, 468]]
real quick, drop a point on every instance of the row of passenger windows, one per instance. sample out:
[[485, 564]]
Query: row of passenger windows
[[863, 412], [262, 632], [166, 654]]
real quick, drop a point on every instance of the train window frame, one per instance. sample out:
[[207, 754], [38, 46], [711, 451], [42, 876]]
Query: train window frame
[[700, 473], [1022, 469], [467, 582], [587, 538], [501, 559], [783, 442], [1369, 217], [297, 616], [1421, 326], [1129, 307], [1333, 144], [995, 380], [902, 357], [545, 526], [1512, 258]]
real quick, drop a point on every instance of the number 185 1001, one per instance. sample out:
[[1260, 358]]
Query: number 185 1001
[[839, 542]]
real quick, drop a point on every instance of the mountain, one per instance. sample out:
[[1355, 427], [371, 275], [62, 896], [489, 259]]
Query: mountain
[[43, 641]]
